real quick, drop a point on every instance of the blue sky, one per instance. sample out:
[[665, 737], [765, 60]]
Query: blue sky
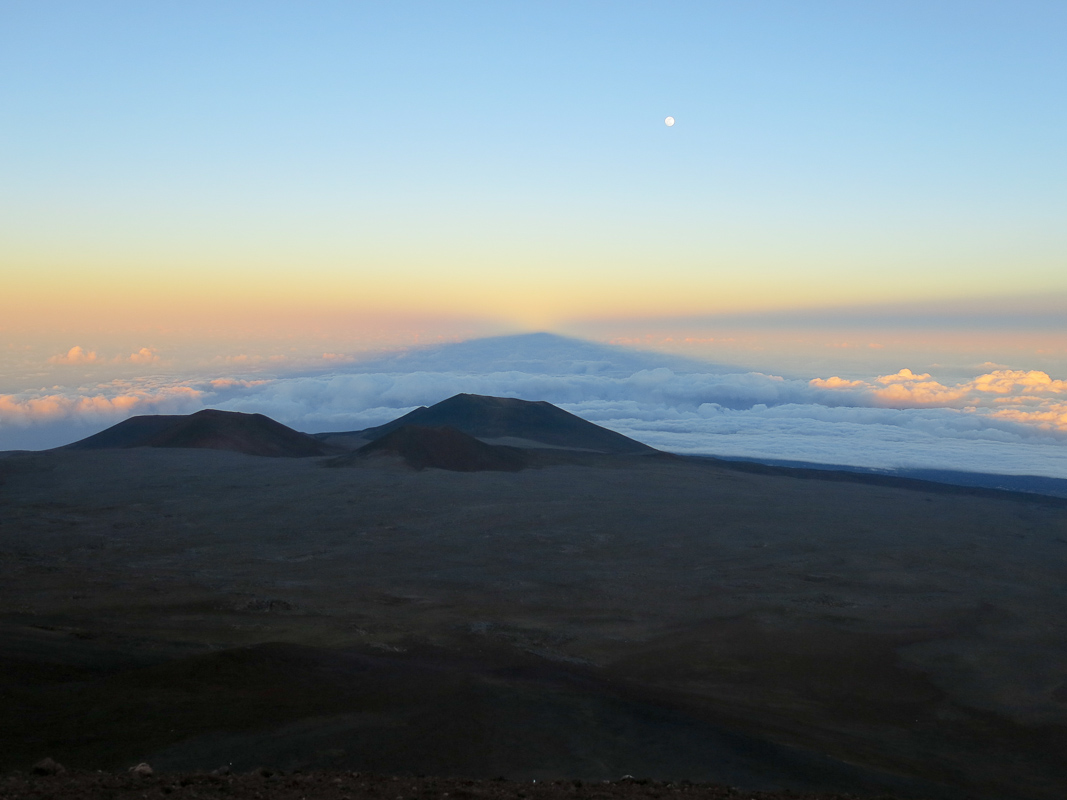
[[819, 146], [196, 192]]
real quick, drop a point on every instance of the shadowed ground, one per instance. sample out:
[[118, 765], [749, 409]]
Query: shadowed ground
[[646, 616], [443, 448], [268, 784]]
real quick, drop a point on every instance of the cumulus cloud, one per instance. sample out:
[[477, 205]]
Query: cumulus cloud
[[837, 383], [1053, 416], [1006, 381], [146, 355], [903, 376], [912, 394], [1018, 388], [25, 410], [76, 355]]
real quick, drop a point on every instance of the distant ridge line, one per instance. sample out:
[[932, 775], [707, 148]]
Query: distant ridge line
[[874, 477]]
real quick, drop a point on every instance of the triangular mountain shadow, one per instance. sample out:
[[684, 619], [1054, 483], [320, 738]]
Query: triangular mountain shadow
[[538, 353], [252, 434], [520, 422], [443, 448]]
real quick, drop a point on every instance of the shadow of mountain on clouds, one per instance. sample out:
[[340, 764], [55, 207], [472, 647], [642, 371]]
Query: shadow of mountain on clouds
[[536, 353]]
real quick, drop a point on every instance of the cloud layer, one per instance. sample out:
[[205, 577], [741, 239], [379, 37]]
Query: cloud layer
[[1003, 420]]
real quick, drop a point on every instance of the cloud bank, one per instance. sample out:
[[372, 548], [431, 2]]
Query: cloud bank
[[1003, 420]]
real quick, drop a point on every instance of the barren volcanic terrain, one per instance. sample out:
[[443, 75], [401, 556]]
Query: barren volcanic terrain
[[586, 617]]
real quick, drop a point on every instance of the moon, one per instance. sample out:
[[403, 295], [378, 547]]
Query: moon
[[669, 121]]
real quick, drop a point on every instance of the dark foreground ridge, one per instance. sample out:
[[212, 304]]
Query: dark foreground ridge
[[443, 448], [653, 615], [210, 429], [267, 784], [506, 417]]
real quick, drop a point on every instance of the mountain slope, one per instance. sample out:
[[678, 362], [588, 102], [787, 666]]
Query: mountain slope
[[506, 417], [252, 434], [444, 448]]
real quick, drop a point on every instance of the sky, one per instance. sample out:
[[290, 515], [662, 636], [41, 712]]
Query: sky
[[202, 192]]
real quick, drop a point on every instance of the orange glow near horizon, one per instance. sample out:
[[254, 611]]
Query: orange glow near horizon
[[508, 300]]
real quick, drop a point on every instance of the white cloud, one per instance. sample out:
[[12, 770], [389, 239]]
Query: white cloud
[[76, 355], [1006, 381], [146, 355], [1019, 388], [837, 383], [29, 410]]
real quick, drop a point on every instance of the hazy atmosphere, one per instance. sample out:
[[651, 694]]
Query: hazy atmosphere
[[851, 236]]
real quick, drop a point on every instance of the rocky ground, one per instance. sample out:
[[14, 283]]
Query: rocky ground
[[658, 617], [267, 784]]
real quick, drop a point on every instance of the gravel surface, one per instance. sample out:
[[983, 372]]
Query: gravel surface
[[270, 785]]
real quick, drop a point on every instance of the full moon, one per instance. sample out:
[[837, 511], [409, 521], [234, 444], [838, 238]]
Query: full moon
[[669, 121]]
